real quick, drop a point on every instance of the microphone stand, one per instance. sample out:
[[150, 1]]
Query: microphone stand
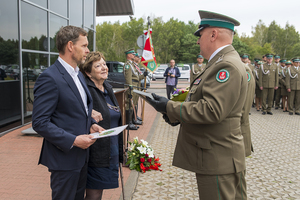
[[130, 110]]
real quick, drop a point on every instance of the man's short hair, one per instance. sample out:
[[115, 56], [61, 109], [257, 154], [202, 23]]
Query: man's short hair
[[66, 34]]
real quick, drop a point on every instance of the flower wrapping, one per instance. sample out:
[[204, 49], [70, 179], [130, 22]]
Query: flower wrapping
[[141, 157], [179, 94]]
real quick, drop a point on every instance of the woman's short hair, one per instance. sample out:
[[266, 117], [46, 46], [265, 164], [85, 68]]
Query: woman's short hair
[[86, 67]]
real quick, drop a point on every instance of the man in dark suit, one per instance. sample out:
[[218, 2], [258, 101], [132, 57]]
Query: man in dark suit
[[62, 115], [172, 73]]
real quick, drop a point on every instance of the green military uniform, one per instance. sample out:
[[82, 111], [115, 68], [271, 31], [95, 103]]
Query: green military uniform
[[293, 83], [196, 69], [281, 70], [245, 126], [210, 140], [268, 79], [256, 77]]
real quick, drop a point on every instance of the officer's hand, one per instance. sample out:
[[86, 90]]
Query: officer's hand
[[261, 88], [146, 73], [166, 118], [159, 103], [275, 88], [289, 90]]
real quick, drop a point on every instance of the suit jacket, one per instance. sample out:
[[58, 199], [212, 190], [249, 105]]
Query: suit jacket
[[210, 140], [245, 125], [292, 78], [177, 74], [268, 76], [59, 116]]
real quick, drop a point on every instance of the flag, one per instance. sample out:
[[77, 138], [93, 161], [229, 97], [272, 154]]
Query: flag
[[148, 57]]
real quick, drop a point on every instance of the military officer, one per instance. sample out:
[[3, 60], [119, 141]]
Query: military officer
[[284, 93], [210, 142], [293, 87], [268, 82], [277, 60], [197, 68], [246, 59], [131, 78], [258, 101], [281, 68]]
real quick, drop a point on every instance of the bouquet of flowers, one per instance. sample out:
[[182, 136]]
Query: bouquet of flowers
[[179, 94], [141, 156]]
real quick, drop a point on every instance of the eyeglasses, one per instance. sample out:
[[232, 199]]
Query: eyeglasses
[[115, 108]]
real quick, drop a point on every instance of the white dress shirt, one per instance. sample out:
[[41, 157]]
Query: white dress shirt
[[74, 74]]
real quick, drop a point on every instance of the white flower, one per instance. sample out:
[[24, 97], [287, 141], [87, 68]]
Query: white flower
[[144, 143], [142, 150], [131, 147], [150, 153]]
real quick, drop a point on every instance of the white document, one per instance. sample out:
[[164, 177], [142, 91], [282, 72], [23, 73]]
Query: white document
[[108, 132], [143, 94]]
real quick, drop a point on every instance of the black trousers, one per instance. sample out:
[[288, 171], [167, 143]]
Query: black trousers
[[170, 90], [68, 185]]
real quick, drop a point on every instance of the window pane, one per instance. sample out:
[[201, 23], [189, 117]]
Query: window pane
[[55, 24], [42, 3], [33, 65], [53, 58], [34, 27], [76, 13], [59, 6], [10, 100], [89, 13], [90, 39]]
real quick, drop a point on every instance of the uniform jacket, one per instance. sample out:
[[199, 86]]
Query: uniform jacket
[[59, 116], [245, 125], [256, 76], [177, 74], [196, 69], [100, 150], [292, 78], [281, 76], [268, 76], [131, 74], [210, 139]]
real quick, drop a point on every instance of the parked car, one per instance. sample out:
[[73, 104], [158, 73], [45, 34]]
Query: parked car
[[184, 71], [28, 74], [159, 72], [116, 76]]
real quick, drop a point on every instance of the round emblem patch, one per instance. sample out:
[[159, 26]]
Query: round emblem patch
[[222, 75], [126, 66], [248, 76]]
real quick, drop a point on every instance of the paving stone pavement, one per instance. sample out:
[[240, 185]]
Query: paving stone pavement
[[272, 170]]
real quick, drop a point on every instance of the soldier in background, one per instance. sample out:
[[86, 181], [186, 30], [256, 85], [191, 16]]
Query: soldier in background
[[280, 76], [293, 87], [197, 68], [258, 101], [277, 60], [268, 82], [245, 59], [264, 59], [284, 93]]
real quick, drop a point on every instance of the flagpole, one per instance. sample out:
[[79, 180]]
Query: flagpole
[[145, 81]]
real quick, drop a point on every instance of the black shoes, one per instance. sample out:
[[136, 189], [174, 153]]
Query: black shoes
[[132, 127], [139, 118], [137, 122], [263, 113], [290, 113], [276, 108], [297, 113], [269, 113]]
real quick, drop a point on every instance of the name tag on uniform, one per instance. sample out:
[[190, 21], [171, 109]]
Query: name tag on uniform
[[197, 81]]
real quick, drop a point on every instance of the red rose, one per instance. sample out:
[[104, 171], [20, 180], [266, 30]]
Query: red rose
[[149, 160], [146, 155], [142, 160]]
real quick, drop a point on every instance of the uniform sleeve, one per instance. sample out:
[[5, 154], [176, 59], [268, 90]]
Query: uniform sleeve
[[128, 73], [260, 77], [287, 79], [276, 77], [217, 102]]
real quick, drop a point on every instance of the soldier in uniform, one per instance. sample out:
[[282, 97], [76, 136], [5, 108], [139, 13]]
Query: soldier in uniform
[[210, 142], [293, 87], [268, 82], [246, 59], [197, 68], [277, 60], [280, 76], [258, 101], [283, 91], [132, 77]]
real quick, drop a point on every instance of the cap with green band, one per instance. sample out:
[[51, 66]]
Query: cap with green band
[[199, 56], [282, 60], [211, 19], [288, 62], [269, 55], [129, 51], [277, 56], [244, 55]]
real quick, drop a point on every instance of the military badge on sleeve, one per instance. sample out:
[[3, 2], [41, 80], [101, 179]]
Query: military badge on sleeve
[[126, 66], [222, 76], [248, 76]]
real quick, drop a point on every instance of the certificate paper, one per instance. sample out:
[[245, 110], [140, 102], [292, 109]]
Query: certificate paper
[[108, 132], [143, 94]]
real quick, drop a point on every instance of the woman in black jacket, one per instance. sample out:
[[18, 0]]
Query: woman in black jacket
[[106, 153]]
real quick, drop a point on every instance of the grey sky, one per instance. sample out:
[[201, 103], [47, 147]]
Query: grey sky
[[247, 13]]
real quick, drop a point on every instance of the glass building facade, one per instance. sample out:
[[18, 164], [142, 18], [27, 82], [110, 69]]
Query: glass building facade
[[27, 48]]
